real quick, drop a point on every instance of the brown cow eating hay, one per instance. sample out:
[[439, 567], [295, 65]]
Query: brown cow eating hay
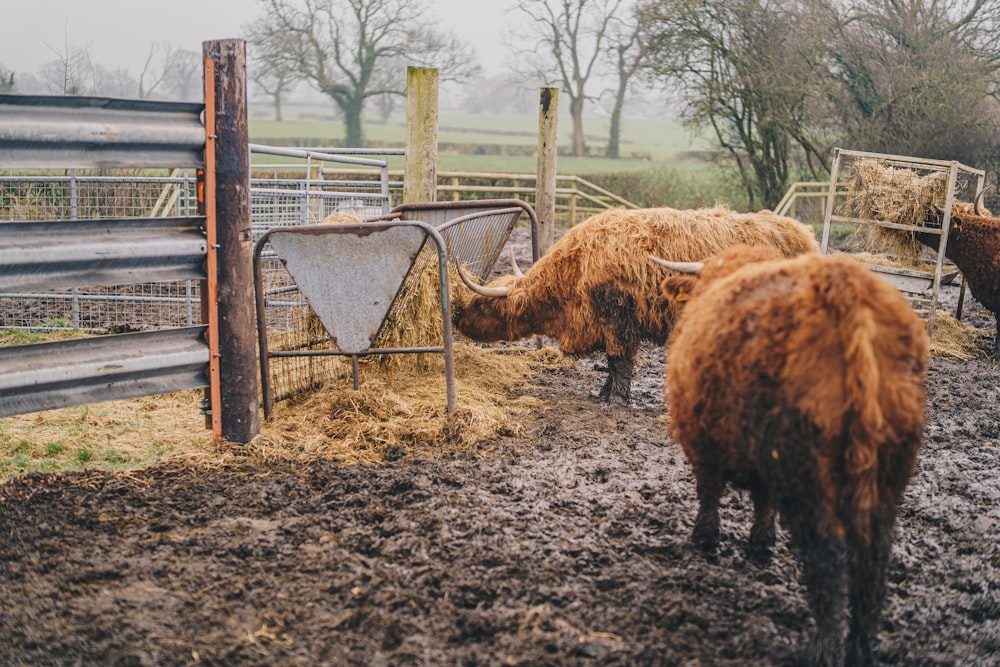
[[595, 290], [802, 380]]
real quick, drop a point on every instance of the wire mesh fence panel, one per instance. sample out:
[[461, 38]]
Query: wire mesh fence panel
[[292, 326], [97, 195], [113, 194]]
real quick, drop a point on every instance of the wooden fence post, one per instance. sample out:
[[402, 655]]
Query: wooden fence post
[[545, 185], [238, 367], [420, 173]]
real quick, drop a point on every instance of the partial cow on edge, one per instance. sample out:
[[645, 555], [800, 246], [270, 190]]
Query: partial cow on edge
[[802, 380], [974, 246], [595, 290]]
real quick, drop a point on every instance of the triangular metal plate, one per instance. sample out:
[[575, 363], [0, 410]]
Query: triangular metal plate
[[349, 279]]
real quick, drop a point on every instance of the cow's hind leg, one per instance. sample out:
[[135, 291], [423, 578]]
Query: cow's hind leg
[[705, 535], [618, 387], [762, 532], [824, 555]]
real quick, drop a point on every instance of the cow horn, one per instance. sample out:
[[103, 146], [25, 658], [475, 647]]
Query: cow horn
[[513, 264], [979, 198], [478, 289], [680, 267]]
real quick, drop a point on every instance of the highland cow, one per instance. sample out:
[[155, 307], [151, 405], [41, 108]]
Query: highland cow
[[595, 291], [801, 380], [974, 247]]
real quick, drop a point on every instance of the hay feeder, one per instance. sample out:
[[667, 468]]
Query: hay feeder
[[887, 200], [372, 287]]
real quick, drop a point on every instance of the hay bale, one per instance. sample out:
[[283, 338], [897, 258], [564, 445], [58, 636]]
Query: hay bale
[[341, 218], [895, 195]]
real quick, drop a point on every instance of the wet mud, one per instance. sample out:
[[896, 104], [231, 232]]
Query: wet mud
[[567, 545]]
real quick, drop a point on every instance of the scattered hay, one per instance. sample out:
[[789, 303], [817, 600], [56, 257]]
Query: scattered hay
[[901, 262], [414, 320], [895, 195], [953, 338], [342, 218], [386, 419], [114, 435]]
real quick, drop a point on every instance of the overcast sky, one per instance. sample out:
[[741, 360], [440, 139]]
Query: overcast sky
[[117, 33]]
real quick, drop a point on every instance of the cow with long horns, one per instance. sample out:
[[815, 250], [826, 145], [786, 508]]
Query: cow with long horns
[[595, 290], [801, 380]]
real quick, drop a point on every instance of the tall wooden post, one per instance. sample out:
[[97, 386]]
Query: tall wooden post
[[239, 401], [545, 183], [420, 173]]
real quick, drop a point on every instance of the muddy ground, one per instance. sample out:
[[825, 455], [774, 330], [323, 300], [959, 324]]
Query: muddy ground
[[565, 546]]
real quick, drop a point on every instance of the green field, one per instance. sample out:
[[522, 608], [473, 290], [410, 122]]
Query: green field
[[485, 142]]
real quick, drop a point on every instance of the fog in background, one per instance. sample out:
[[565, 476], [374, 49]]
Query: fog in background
[[117, 35]]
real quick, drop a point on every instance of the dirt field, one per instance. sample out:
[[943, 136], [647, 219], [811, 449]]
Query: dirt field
[[565, 546]]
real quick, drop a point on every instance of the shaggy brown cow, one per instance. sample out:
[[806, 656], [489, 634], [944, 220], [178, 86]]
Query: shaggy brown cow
[[974, 247], [595, 290], [802, 380]]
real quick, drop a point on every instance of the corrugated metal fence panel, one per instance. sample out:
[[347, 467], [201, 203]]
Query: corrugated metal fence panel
[[88, 253], [62, 374], [82, 132]]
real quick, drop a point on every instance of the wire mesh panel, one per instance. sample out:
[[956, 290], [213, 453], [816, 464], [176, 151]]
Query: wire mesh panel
[[100, 195], [125, 193]]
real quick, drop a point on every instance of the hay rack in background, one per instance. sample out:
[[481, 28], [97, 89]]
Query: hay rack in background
[[884, 201]]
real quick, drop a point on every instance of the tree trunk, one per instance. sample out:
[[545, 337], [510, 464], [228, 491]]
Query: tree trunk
[[277, 106], [576, 110], [615, 130], [353, 137]]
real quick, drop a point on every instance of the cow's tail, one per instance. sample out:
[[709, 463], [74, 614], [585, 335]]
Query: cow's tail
[[874, 439], [867, 429]]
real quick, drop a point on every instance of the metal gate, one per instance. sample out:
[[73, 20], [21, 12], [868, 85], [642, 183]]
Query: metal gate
[[41, 132]]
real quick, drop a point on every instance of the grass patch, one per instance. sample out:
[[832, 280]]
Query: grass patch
[[116, 435], [393, 413]]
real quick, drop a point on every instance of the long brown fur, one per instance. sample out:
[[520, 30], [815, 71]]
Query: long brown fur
[[974, 247], [595, 290], [802, 380]]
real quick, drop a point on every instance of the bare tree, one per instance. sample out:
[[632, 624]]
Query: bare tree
[[626, 53], [170, 73], [154, 70], [747, 70], [71, 73], [118, 82], [184, 75], [6, 80], [346, 48], [500, 93], [273, 75], [567, 39], [918, 77]]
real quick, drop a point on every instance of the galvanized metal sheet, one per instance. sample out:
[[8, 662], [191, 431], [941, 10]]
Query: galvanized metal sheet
[[64, 132], [911, 282], [349, 279], [62, 374], [57, 255]]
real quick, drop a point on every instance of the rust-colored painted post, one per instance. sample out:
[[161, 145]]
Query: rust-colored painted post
[[545, 186], [420, 173], [238, 368]]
